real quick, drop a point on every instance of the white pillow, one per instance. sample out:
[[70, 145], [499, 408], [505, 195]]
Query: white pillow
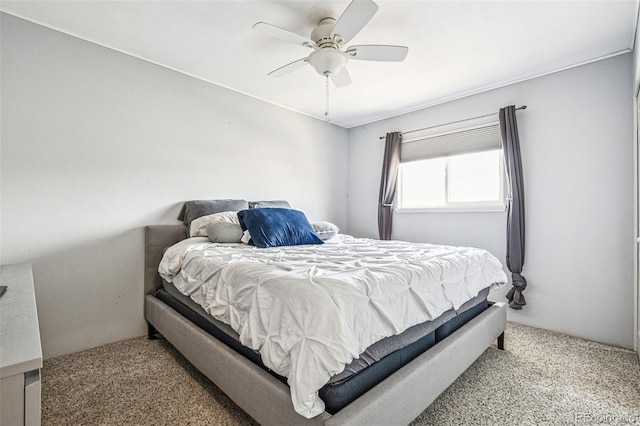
[[198, 226], [325, 230]]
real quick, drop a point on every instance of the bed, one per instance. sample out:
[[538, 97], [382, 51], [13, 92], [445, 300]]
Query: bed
[[392, 389]]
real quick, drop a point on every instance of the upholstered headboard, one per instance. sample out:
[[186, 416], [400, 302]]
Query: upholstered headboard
[[156, 239]]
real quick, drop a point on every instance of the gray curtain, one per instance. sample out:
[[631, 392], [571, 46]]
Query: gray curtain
[[515, 206], [390, 165]]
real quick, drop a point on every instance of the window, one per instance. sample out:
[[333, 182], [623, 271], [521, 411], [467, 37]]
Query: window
[[456, 170]]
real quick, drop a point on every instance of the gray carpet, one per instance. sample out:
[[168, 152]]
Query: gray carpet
[[541, 378]]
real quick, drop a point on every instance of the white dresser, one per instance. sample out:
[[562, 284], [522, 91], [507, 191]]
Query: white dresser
[[20, 350]]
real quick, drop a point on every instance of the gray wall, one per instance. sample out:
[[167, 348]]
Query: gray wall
[[97, 144], [577, 149]]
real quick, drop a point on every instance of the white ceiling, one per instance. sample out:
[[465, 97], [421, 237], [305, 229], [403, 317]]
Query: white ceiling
[[456, 48]]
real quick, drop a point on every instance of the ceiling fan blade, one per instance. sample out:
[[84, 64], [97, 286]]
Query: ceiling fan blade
[[283, 34], [353, 19], [378, 52], [286, 69], [342, 78]]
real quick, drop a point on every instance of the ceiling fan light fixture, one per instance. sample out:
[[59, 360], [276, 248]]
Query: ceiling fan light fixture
[[328, 62]]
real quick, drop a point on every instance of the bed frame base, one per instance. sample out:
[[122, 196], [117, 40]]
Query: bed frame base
[[397, 400]]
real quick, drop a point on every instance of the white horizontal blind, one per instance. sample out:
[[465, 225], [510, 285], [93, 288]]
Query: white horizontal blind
[[474, 139]]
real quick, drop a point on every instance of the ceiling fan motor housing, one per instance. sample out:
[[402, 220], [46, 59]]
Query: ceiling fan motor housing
[[321, 34]]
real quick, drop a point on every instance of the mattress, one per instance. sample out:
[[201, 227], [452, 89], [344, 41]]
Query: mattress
[[311, 310], [375, 364]]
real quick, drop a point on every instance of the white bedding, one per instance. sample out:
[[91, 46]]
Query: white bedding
[[310, 310]]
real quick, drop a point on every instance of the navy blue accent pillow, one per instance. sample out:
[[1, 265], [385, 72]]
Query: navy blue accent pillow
[[273, 227]]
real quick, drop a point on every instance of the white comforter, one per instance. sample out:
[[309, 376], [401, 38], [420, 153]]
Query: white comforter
[[312, 309]]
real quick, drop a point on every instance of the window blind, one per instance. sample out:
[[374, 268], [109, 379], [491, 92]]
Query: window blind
[[475, 139]]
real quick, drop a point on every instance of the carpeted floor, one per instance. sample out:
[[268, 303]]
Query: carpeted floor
[[542, 378]]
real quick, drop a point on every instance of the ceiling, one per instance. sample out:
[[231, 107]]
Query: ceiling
[[456, 48]]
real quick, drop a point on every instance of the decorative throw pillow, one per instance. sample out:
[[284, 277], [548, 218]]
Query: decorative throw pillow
[[224, 232], [192, 210], [325, 230], [269, 204], [273, 227], [198, 226]]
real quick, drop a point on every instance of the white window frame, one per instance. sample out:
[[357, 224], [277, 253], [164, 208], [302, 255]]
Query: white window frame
[[459, 207]]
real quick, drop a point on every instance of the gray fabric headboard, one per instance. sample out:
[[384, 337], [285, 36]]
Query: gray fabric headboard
[[156, 239]]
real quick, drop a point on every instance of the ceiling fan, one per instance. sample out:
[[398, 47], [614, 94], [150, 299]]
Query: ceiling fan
[[329, 58]]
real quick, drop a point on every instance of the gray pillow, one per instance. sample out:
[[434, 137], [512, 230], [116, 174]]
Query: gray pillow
[[269, 204], [325, 230], [224, 232], [197, 208]]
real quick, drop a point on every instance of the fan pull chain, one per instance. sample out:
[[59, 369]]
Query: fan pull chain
[[326, 110]]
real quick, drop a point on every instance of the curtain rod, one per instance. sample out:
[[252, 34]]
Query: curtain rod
[[452, 122]]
